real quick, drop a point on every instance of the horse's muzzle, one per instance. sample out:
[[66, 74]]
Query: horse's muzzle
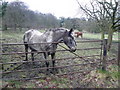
[[72, 49]]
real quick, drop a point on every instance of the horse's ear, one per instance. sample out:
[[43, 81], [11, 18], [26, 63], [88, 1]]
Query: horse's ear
[[71, 30]]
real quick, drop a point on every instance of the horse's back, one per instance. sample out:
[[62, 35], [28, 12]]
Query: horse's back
[[33, 32], [31, 35]]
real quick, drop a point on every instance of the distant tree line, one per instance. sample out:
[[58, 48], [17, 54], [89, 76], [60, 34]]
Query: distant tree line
[[17, 15]]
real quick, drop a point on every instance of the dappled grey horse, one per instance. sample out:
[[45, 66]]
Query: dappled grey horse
[[45, 40]]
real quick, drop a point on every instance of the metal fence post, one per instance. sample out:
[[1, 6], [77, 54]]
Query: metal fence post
[[104, 54]]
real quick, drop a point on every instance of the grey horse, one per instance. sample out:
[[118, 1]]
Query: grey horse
[[45, 40]]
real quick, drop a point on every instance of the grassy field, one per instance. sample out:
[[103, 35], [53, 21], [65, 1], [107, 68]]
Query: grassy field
[[77, 80], [98, 36], [19, 35]]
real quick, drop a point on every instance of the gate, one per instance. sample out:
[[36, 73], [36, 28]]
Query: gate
[[87, 57]]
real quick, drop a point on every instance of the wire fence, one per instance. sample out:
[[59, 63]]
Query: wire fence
[[11, 65]]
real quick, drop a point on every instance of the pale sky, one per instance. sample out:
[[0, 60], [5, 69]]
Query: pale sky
[[59, 8]]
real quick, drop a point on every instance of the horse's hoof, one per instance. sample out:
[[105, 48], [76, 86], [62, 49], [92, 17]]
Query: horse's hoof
[[25, 60], [54, 71], [33, 63], [47, 72]]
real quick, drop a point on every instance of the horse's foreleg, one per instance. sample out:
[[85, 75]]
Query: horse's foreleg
[[47, 63], [81, 35], [53, 60]]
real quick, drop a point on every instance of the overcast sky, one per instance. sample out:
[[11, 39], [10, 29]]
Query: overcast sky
[[59, 8]]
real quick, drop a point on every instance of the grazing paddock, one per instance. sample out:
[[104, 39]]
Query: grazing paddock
[[14, 68], [98, 36]]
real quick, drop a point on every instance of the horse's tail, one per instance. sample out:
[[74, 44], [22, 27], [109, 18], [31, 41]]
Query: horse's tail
[[25, 38]]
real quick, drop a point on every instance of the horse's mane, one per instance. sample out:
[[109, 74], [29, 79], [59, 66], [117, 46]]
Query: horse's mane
[[56, 29]]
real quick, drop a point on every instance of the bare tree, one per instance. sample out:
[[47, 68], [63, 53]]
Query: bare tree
[[15, 15], [105, 13], [3, 7], [111, 8], [19, 16]]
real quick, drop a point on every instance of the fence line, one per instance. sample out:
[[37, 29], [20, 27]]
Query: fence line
[[2, 39], [48, 68], [48, 60], [45, 51], [60, 67], [5, 44]]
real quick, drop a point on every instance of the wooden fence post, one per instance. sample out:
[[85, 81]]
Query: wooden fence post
[[119, 62], [104, 54]]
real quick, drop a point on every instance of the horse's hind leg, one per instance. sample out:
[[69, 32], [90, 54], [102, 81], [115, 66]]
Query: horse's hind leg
[[26, 51], [32, 55], [77, 35]]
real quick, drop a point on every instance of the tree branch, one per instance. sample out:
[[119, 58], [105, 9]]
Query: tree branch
[[103, 4], [84, 9]]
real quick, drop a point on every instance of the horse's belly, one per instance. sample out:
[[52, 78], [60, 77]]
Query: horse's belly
[[35, 45]]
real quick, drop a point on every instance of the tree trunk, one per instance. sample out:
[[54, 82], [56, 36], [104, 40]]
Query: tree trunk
[[4, 27], [102, 35], [110, 35], [20, 28], [15, 26]]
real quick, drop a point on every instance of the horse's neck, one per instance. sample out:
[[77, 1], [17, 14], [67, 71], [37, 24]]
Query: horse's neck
[[47, 36], [53, 36], [57, 37]]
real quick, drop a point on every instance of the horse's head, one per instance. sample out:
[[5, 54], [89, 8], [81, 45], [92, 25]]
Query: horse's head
[[68, 39]]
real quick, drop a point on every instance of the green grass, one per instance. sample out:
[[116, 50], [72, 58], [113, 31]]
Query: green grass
[[17, 35], [112, 71], [14, 36], [40, 83], [98, 36]]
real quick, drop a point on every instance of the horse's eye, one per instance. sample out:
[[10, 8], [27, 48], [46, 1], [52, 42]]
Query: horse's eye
[[70, 40]]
